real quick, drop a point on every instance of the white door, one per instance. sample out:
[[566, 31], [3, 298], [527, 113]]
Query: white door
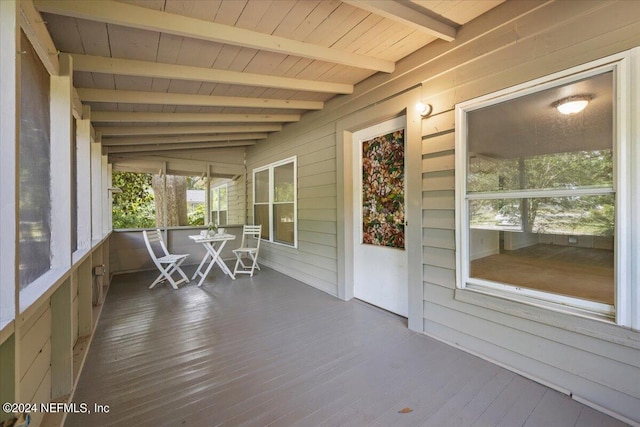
[[380, 256]]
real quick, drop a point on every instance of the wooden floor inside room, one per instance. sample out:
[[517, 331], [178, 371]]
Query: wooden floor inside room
[[271, 351], [579, 272]]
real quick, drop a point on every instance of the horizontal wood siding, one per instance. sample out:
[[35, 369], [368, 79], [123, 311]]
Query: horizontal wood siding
[[35, 370], [569, 353], [236, 201], [314, 261]]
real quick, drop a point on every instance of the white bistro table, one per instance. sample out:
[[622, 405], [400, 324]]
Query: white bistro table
[[209, 244]]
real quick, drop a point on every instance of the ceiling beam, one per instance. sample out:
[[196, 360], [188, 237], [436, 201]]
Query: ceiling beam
[[130, 67], [115, 116], [163, 98], [172, 147], [112, 12], [398, 12], [108, 131], [180, 139], [36, 31]]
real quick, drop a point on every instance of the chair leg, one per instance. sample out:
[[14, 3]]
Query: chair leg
[[180, 272], [166, 274], [235, 269], [159, 279], [255, 263]]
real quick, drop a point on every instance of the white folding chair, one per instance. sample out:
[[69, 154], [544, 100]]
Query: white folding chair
[[168, 264], [248, 250]]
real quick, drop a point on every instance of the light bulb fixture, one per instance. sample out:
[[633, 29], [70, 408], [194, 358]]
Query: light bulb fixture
[[572, 104], [424, 109]]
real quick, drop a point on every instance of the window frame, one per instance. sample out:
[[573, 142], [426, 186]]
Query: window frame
[[624, 309], [270, 168], [218, 210]]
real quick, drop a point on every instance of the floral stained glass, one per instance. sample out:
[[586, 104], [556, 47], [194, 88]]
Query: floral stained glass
[[383, 190]]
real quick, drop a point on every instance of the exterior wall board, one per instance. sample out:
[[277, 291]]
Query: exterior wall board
[[514, 43], [571, 354]]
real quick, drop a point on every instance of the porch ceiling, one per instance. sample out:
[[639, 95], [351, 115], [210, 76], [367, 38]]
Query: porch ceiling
[[165, 75]]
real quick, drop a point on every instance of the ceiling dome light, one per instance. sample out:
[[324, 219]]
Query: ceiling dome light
[[572, 104]]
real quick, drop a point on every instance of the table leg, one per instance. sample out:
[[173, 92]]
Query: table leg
[[199, 269]]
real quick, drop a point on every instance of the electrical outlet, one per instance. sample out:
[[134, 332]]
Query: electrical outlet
[[98, 270]]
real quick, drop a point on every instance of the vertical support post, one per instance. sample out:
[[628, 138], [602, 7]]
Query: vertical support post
[[165, 211], [207, 198], [9, 198], [104, 192], [96, 186], [83, 157], [61, 154]]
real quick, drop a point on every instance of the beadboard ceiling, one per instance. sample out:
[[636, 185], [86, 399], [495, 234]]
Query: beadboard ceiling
[[164, 75]]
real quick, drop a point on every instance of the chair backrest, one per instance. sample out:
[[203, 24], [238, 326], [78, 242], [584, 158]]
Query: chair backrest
[[151, 237], [249, 231]]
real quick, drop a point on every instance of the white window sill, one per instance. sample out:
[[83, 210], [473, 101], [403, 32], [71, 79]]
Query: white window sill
[[43, 286]]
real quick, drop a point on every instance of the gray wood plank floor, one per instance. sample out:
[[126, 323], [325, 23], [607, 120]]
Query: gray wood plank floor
[[271, 351]]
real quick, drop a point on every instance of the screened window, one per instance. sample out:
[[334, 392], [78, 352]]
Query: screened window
[[135, 206], [538, 199], [151, 200], [35, 169], [219, 204], [274, 204]]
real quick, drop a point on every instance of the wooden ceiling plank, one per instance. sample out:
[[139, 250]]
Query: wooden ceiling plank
[[295, 17], [98, 64], [147, 19], [109, 131], [121, 43], [146, 140], [168, 147], [108, 116], [276, 14], [141, 97], [252, 14], [407, 16]]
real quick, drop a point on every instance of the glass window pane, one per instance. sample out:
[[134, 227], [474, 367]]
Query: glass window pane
[[262, 187], [35, 168], [283, 187], [496, 214], [196, 191], [565, 247], [223, 198], [577, 215], [223, 217], [261, 217], [525, 143], [215, 199], [283, 225]]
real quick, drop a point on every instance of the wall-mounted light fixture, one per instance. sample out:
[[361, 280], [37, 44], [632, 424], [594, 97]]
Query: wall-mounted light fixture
[[572, 104], [424, 109]]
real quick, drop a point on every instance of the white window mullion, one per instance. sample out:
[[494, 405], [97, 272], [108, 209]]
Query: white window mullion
[[271, 197]]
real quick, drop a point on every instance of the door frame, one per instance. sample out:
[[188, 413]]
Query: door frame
[[403, 104]]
